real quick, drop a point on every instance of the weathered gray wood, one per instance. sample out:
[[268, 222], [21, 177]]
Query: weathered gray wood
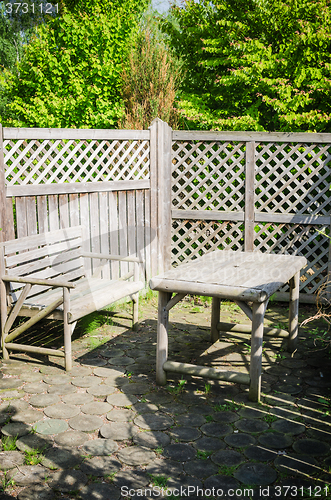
[[154, 197], [14, 313], [53, 211], [241, 328], [67, 329], [95, 231], [69, 133], [34, 349], [104, 231], [64, 210], [49, 238], [73, 187], [188, 135], [111, 257], [132, 248], [207, 215], [256, 351], [21, 224], [113, 236], [174, 300], [123, 228], [147, 222], [292, 218], [85, 222], [3, 211], [140, 221], [249, 196], [3, 305], [215, 317], [293, 312], [10, 225], [35, 281], [162, 337], [32, 321], [165, 181], [73, 210], [206, 372], [245, 308], [42, 214]]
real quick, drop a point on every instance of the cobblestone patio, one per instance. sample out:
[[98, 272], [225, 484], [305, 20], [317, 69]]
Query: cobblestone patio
[[106, 431]]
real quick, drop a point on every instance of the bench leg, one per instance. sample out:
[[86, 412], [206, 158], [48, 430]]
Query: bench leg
[[293, 313], [162, 337], [135, 304], [67, 330], [215, 318], [259, 310]]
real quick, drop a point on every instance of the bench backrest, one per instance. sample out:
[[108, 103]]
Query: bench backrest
[[57, 255]]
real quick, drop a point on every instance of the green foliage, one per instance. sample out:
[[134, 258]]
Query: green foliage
[[254, 64], [70, 75]]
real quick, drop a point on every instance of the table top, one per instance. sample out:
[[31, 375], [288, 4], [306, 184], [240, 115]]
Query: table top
[[228, 274]]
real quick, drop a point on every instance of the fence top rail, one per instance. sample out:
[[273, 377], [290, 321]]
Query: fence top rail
[[70, 133], [199, 135]]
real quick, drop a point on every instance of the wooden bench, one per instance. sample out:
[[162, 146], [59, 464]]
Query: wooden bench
[[44, 276]]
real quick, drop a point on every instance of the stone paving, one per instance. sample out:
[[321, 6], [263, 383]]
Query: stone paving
[[106, 431]]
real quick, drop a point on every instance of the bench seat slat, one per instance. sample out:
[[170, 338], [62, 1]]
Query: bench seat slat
[[23, 244]]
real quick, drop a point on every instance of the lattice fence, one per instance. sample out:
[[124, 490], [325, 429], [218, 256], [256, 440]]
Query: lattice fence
[[291, 197]]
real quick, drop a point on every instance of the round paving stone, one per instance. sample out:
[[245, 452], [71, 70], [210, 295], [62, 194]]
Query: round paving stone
[[209, 444], [121, 415], [28, 474], [33, 442], [154, 421], [10, 459], [101, 390], [275, 440], [240, 440], [179, 452], [100, 447], [190, 419], [298, 464], [68, 480], [61, 390], [80, 371], [57, 379], [100, 466], [256, 474], [251, 426], [184, 433], [96, 408], [228, 458], [43, 400], [121, 361], [260, 454], [151, 439], [51, 370], [224, 483], [118, 431], [112, 353], [135, 479], [12, 394], [62, 411], [70, 438], [50, 426], [165, 468], [106, 372], [136, 455], [311, 447], [94, 362], [117, 381], [288, 427], [57, 458], [12, 407], [289, 388], [88, 381], [253, 412], [293, 363], [225, 417], [145, 408], [216, 429], [16, 429], [159, 398], [85, 423], [28, 416], [42, 492], [10, 383], [122, 399], [79, 398], [174, 408], [136, 388], [35, 388], [201, 468], [99, 491]]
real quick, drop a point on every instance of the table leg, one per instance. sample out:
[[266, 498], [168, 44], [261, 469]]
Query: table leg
[[259, 310], [215, 318], [293, 312], [162, 337]]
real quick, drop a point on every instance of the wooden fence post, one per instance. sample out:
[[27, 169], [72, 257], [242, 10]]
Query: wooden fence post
[[249, 196], [164, 148], [3, 201], [154, 197]]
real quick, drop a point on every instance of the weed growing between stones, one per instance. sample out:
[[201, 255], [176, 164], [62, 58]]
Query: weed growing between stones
[[6, 483], [33, 457], [178, 389], [160, 481], [9, 443], [203, 455], [269, 418]]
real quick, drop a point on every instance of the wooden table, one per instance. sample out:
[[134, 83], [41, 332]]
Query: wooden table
[[245, 277]]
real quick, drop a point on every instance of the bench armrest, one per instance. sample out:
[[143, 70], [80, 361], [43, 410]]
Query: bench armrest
[[110, 257], [36, 281]]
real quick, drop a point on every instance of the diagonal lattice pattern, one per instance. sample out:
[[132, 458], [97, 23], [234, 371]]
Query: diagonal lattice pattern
[[295, 239], [195, 237], [208, 175], [293, 178], [48, 161]]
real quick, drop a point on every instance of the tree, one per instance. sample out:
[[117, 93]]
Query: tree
[[70, 73], [254, 64]]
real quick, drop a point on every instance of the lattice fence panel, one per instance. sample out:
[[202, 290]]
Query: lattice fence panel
[[293, 178], [191, 238], [208, 175], [297, 239], [60, 161]]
